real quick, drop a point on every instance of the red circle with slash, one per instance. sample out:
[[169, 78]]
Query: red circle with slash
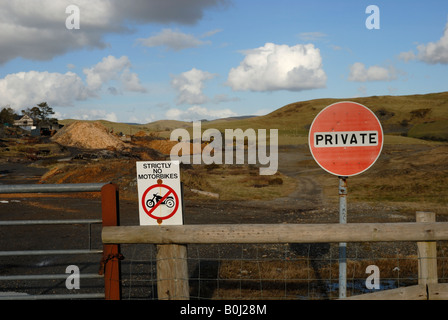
[[170, 191]]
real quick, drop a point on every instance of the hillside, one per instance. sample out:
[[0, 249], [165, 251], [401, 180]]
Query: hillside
[[409, 170], [418, 116], [422, 116], [162, 127]]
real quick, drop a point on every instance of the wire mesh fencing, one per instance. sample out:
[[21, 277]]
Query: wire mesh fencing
[[280, 271]]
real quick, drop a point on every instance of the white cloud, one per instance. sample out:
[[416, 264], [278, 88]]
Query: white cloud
[[189, 85], [407, 56], [432, 52], [131, 82], [36, 29], [359, 73], [173, 40], [111, 68], [279, 67], [211, 33], [435, 52], [104, 71], [198, 113], [24, 89], [98, 114]]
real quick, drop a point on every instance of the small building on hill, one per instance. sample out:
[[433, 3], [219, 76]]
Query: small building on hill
[[38, 128], [25, 122]]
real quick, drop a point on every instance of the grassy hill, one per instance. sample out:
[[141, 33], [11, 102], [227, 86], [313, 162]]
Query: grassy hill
[[417, 116], [410, 172], [161, 127]]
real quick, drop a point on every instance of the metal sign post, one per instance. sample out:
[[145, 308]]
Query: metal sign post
[[345, 139], [342, 245]]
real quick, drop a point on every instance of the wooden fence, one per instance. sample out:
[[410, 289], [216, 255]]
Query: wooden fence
[[172, 272]]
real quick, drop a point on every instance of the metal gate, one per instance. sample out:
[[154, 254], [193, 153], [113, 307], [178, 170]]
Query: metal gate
[[109, 263]]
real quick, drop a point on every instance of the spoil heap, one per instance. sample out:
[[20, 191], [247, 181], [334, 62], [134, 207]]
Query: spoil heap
[[88, 135], [164, 146]]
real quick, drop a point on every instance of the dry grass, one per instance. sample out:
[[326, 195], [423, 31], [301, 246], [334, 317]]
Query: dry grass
[[412, 176], [28, 148], [396, 113], [121, 172], [416, 176], [303, 277], [237, 182]]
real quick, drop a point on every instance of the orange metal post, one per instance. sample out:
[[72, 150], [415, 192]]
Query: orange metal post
[[110, 264]]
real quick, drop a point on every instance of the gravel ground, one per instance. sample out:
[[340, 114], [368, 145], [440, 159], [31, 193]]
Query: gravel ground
[[306, 205]]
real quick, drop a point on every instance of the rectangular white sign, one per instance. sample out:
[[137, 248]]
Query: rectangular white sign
[[159, 193], [345, 139]]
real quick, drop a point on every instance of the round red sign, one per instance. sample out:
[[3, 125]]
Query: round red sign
[[169, 200], [345, 138]]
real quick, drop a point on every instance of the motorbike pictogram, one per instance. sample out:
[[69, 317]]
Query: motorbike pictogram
[[169, 201]]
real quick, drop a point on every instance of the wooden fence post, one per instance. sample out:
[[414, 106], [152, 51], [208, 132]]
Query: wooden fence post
[[427, 253], [110, 263], [172, 272]]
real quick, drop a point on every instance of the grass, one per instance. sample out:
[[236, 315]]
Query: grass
[[28, 148], [162, 128], [304, 268], [121, 172], [399, 174], [403, 140], [435, 130], [422, 189], [410, 176], [419, 116], [238, 182], [295, 276]]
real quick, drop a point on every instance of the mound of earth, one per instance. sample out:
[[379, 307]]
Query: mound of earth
[[88, 135], [164, 146]]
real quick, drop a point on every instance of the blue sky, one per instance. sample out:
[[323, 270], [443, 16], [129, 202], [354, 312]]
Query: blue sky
[[141, 61]]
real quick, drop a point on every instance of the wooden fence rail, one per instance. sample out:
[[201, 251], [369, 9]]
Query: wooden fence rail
[[171, 241], [271, 233]]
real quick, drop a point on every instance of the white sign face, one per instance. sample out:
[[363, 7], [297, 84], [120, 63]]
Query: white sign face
[[345, 139], [159, 193]]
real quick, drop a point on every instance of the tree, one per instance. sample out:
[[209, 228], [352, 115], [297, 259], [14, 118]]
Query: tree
[[41, 113], [45, 111], [7, 115], [34, 113]]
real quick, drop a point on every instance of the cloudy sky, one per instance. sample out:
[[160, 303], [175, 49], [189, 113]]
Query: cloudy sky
[[145, 60]]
